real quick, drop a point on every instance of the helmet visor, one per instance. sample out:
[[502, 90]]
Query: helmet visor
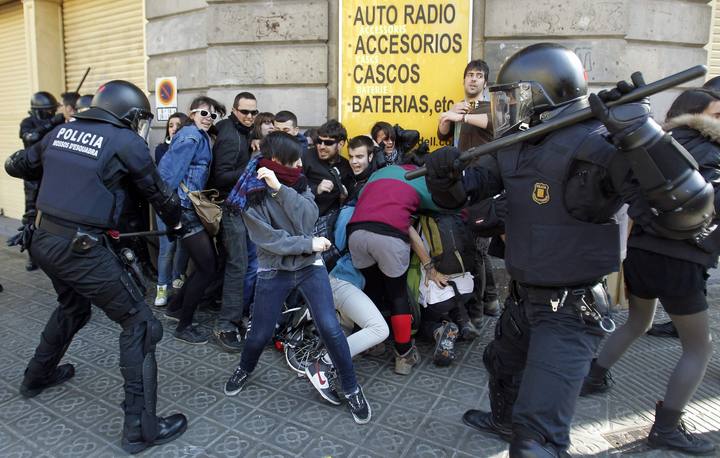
[[143, 128], [511, 106]]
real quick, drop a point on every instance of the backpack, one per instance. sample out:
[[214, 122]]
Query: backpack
[[449, 242]]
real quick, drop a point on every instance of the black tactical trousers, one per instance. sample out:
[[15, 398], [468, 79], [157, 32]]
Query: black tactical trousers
[[96, 277], [537, 365]]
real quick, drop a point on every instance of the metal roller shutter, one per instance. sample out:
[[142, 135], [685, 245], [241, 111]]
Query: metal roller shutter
[[714, 54], [15, 87], [107, 35]]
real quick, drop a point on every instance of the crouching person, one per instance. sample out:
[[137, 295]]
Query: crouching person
[[279, 212]]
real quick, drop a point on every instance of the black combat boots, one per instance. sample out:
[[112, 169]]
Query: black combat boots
[[31, 388], [169, 428], [598, 380], [484, 421], [669, 432]]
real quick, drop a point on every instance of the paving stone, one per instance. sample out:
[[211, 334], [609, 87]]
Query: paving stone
[[232, 444], [326, 446]]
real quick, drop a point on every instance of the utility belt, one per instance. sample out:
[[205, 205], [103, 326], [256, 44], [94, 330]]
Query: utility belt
[[83, 239], [591, 303]]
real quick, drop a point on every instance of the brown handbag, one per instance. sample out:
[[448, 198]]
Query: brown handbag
[[207, 207]]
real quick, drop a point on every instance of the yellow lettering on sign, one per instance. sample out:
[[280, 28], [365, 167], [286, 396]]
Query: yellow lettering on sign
[[402, 62]]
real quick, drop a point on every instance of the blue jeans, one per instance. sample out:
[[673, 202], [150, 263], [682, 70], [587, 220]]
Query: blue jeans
[[250, 277], [273, 287], [171, 256]]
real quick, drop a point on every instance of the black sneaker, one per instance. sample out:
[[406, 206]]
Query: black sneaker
[[445, 337], [491, 308], [322, 377], [359, 407], [229, 341], [670, 433], [484, 421], [191, 335], [680, 439], [236, 382], [663, 330], [62, 373], [598, 381], [468, 331], [30, 265]]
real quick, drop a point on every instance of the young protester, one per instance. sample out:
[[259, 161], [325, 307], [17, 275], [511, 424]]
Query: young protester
[[172, 259], [185, 167], [264, 124], [346, 282], [379, 242], [674, 271], [328, 173], [230, 155], [384, 135], [280, 213]]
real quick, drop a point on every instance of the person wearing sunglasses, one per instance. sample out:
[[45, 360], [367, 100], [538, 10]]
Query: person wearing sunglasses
[[328, 173], [188, 162], [231, 153]]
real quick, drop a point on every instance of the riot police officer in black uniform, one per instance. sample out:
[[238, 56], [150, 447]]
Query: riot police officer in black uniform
[[562, 192], [87, 167], [42, 120]]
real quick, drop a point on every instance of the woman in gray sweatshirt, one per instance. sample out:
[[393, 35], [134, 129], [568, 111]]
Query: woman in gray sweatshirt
[[279, 212]]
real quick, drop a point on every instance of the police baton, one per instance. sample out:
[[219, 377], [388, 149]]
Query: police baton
[[82, 80], [141, 234], [568, 120]]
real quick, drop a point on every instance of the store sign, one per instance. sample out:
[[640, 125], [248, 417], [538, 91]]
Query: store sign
[[165, 97], [402, 62]]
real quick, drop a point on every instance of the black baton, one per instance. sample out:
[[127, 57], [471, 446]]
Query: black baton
[[142, 234], [568, 120]]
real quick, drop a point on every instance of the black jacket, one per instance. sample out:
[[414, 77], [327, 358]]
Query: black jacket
[[88, 168], [317, 170], [33, 129], [700, 135], [231, 153]]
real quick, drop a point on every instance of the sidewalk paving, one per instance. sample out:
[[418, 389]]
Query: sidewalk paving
[[279, 414]]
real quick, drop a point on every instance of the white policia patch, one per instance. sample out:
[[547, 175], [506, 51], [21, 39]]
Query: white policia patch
[[78, 140]]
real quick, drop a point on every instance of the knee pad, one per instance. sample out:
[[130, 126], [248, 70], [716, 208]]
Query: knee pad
[[153, 333]]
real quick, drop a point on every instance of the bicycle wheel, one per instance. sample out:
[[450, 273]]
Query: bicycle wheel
[[301, 348]]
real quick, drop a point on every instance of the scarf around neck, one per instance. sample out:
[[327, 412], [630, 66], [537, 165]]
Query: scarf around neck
[[250, 190]]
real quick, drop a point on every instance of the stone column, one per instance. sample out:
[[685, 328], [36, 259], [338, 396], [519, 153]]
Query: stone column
[[45, 50]]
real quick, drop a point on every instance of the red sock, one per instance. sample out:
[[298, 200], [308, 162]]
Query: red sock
[[401, 327]]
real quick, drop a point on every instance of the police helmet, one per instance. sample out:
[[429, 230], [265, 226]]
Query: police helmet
[[43, 105], [43, 101], [122, 104], [536, 79], [84, 103]]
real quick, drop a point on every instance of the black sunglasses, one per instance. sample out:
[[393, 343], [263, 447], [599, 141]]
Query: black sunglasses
[[330, 142], [205, 113], [248, 112]]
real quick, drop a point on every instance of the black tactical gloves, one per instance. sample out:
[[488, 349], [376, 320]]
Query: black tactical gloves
[[444, 180], [623, 121]]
